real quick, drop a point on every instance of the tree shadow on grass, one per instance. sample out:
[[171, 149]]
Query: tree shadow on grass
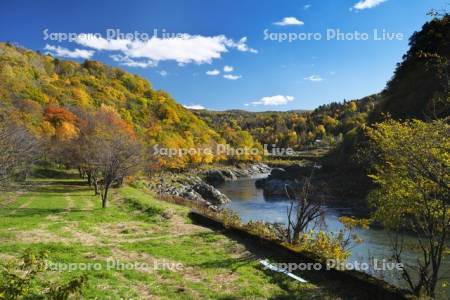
[[56, 189], [230, 263], [33, 212], [54, 173], [297, 290], [146, 209]]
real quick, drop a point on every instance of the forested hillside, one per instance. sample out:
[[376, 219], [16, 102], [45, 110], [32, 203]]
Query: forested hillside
[[420, 86], [296, 129], [419, 89], [47, 96]]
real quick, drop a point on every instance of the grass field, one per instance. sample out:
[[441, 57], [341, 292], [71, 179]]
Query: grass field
[[63, 217]]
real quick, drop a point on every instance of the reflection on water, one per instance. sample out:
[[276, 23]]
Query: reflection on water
[[250, 203]]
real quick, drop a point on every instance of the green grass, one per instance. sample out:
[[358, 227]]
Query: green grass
[[64, 217]]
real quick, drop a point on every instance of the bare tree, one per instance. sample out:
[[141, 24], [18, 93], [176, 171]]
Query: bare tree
[[18, 150], [108, 150], [302, 212], [83, 149], [431, 231], [115, 159]]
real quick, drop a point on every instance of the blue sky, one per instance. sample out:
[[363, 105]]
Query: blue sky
[[265, 74]]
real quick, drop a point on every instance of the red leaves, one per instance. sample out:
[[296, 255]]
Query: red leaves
[[112, 122], [59, 115]]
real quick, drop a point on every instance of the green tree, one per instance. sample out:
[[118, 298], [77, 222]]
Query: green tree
[[412, 172]]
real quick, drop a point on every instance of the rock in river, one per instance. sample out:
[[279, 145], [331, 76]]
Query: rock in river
[[210, 193]]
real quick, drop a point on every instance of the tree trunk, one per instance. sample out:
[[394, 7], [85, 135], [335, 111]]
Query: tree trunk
[[89, 178], [105, 196], [95, 182], [296, 235], [433, 282], [80, 172]]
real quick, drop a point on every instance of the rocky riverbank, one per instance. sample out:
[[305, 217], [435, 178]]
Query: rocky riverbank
[[220, 175], [293, 177], [199, 185]]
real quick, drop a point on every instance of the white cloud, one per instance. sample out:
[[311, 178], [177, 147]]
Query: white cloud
[[273, 100], [163, 73], [64, 52], [99, 43], [194, 106], [364, 4], [241, 45], [314, 78], [307, 6], [214, 72], [289, 21], [232, 77], [183, 49], [126, 61], [228, 69]]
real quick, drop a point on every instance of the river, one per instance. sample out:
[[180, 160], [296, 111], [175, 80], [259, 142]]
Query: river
[[250, 203]]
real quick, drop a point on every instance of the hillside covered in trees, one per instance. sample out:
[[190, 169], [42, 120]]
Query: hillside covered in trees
[[296, 129], [47, 96], [51, 97], [419, 89], [420, 85]]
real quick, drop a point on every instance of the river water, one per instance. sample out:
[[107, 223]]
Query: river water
[[250, 203]]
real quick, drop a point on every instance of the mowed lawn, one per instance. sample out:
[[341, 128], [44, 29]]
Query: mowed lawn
[[175, 259]]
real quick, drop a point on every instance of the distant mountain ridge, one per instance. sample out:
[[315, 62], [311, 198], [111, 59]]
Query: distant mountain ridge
[[237, 111]]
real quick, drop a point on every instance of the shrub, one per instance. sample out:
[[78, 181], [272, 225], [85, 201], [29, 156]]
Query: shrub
[[230, 218], [324, 245], [23, 280], [261, 229]]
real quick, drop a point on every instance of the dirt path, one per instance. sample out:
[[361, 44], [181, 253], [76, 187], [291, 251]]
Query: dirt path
[[70, 202], [88, 202], [8, 201], [26, 204]]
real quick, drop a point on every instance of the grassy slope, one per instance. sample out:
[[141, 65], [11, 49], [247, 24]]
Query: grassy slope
[[64, 218]]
